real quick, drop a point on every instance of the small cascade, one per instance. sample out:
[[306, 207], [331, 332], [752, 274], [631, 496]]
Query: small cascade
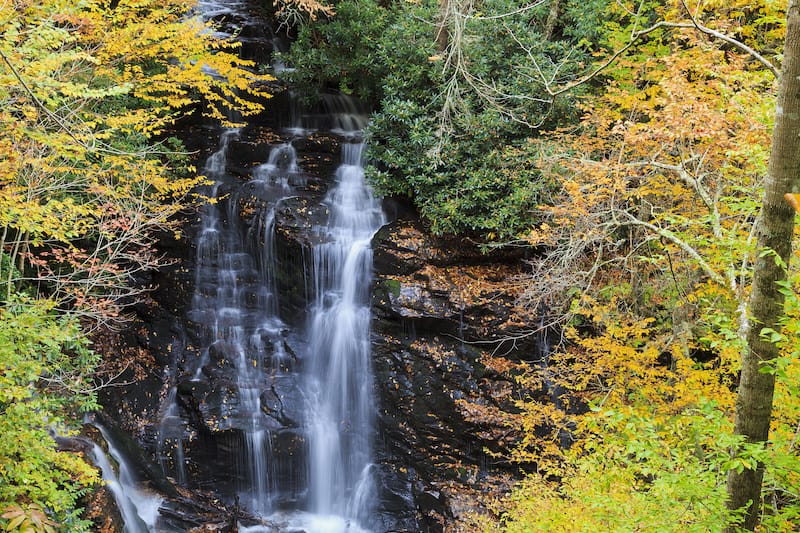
[[257, 494], [172, 429], [171, 432], [280, 45], [216, 295], [219, 12], [138, 507], [209, 243], [299, 124], [280, 168], [348, 117], [260, 243], [235, 307], [336, 113], [219, 9], [340, 380]]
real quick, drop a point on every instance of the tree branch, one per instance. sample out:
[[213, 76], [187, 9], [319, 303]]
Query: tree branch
[[670, 236], [636, 36], [730, 40]]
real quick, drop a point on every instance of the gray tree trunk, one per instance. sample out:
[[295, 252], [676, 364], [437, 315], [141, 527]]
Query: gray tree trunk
[[442, 37], [774, 232], [552, 19]]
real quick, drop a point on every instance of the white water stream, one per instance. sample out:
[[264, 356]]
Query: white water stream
[[234, 263], [340, 381], [138, 507], [240, 338]]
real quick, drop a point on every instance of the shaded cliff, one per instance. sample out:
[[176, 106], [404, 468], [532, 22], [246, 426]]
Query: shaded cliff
[[445, 327]]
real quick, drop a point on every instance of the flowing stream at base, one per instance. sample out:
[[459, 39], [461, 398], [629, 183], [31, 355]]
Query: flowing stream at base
[[138, 507]]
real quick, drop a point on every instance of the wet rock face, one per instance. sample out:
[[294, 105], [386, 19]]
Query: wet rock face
[[442, 403], [156, 356], [440, 400]]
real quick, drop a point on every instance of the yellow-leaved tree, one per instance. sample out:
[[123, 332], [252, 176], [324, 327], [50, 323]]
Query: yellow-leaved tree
[[87, 173], [652, 242], [88, 179]]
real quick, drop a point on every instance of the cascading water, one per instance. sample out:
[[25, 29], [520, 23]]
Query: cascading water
[[339, 406], [288, 431], [172, 428], [235, 307], [139, 508], [340, 380], [171, 431]]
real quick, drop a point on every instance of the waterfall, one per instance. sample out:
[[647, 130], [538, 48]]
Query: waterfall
[[340, 381], [338, 377], [235, 307], [235, 310], [139, 508], [287, 425], [172, 428]]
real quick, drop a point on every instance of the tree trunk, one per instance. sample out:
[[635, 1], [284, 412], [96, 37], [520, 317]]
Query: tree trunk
[[442, 37], [774, 232], [552, 19]]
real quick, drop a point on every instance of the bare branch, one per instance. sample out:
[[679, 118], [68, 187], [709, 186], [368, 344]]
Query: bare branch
[[523, 9], [730, 40], [670, 236], [638, 35], [70, 383]]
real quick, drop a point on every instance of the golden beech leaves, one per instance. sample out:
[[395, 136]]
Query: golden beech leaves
[[165, 57], [647, 255], [665, 170], [87, 175]]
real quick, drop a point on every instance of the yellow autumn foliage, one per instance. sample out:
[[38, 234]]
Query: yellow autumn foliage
[[653, 231], [88, 176]]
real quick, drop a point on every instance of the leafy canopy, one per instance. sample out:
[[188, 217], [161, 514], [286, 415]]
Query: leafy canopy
[[651, 237], [47, 368], [451, 125], [89, 178]]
